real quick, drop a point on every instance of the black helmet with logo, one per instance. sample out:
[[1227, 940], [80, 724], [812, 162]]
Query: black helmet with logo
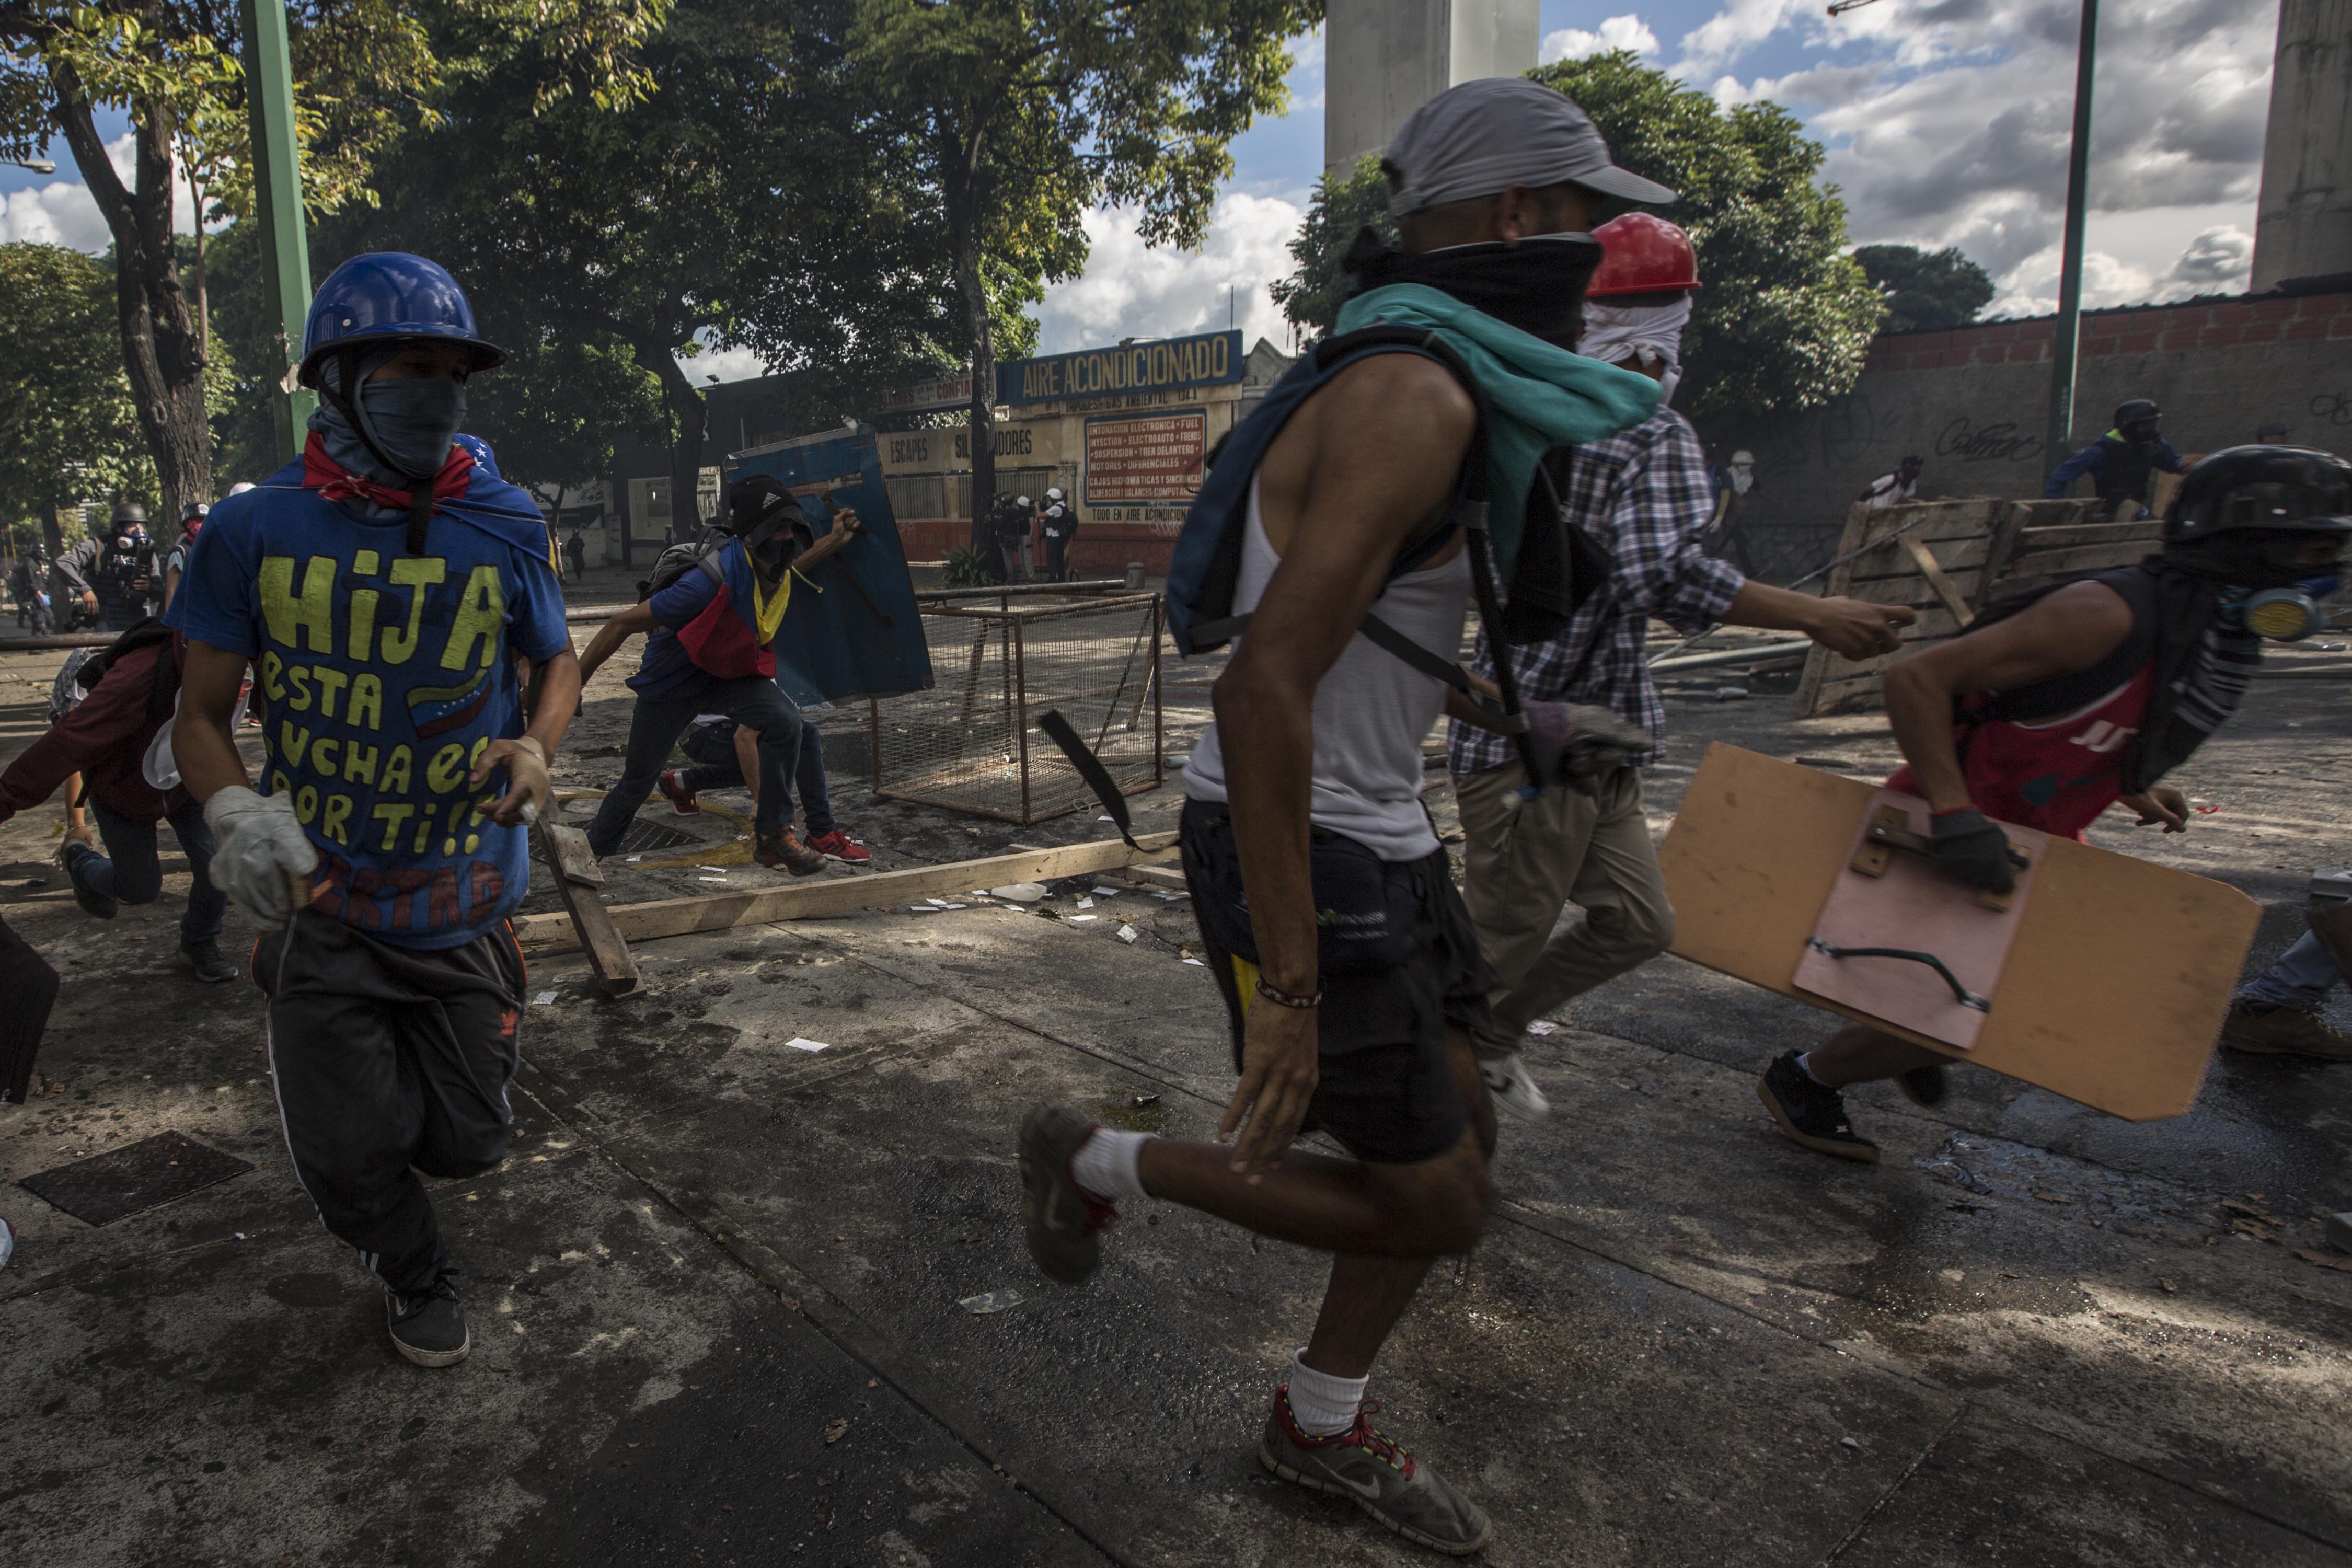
[[2281, 490]]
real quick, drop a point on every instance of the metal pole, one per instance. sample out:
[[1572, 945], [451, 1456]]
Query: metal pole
[[278, 197], [2059, 437]]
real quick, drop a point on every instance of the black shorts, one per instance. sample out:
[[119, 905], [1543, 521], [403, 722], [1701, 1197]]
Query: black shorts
[[1386, 1088]]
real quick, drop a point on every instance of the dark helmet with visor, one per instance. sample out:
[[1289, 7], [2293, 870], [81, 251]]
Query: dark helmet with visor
[[2278, 490]]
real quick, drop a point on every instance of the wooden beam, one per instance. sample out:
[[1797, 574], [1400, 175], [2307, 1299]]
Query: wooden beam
[[1946, 589], [577, 876], [842, 895]]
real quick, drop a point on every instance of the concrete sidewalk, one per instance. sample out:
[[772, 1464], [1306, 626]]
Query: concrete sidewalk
[[717, 1288]]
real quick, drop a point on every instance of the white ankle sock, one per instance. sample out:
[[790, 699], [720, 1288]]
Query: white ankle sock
[[1323, 1406], [1805, 1066], [1105, 1164]]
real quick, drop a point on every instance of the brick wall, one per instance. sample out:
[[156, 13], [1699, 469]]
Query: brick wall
[[2217, 324], [1974, 403]]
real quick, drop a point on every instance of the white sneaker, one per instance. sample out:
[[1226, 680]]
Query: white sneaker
[[1513, 1089]]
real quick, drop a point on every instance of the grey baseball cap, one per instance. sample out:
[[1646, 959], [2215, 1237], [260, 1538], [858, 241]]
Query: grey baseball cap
[[1487, 135]]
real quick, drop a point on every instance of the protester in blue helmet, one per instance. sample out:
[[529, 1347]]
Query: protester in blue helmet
[[383, 590]]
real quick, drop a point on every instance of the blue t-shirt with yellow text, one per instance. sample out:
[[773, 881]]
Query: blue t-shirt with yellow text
[[380, 678]]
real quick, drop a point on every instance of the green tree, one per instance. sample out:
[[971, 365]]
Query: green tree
[[1341, 209], [1025, 112], [1784, 320], [67, 432], [363, 72], [744, 200], [1925, 291]]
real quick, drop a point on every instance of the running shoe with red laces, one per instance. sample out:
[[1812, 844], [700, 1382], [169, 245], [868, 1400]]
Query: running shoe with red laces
[[1371, 1471], [835, 843], [1062, 1218], [682, 799]]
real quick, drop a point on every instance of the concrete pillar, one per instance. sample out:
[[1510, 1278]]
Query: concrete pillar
[[2303, 224], [1384, 58]]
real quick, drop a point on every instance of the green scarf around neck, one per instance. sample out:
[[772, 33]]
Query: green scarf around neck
[[1539, 396]]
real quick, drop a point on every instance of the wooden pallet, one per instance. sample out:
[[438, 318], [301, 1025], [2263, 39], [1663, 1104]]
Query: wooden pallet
[[1947, 559]]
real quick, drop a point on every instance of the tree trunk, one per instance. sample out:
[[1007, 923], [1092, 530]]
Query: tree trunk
[[688, 415], [963, 223], [160, 349]]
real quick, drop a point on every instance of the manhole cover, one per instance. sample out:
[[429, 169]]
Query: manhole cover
[[108, 1187]]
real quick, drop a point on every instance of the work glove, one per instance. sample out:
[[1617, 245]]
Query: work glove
[[1576, 743], [1971, 850], [529, 789], [261, 858]]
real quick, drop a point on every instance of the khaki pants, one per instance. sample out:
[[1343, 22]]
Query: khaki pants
[[1525, 860]]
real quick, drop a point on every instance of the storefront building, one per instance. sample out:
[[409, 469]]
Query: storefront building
[[1123, 431]]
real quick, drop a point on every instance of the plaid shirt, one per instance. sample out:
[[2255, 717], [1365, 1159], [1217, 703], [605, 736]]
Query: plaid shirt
[[1644, 496]]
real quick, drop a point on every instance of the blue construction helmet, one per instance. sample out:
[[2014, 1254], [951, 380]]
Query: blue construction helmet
[[386, 295]]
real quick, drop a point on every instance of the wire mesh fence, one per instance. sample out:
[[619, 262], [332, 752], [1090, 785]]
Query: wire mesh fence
[[971, 742]]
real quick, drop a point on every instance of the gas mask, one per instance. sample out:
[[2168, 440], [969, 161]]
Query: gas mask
[[2283, 614]]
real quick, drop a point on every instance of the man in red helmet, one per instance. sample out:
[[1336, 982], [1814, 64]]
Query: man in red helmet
[[1645, 497]]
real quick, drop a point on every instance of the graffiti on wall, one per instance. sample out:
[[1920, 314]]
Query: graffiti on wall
[[2000, 442]]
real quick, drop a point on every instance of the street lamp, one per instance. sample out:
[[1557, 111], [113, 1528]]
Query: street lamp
[[38, 166]]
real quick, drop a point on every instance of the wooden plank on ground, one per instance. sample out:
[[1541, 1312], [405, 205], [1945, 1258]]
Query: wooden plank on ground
[[843, 894], [566, 851]]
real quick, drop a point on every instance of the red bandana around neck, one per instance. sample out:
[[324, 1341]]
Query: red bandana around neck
[[335, 482]]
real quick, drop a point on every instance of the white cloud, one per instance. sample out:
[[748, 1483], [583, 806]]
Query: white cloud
[[1734, 30], [1131, 290], [1627, 32], [64, 213], [2218, 261], [1962, 137], [1307, 71], [713, 365]]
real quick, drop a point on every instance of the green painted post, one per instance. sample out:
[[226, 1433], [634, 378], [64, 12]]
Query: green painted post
[[277, 195], [2058, 440]]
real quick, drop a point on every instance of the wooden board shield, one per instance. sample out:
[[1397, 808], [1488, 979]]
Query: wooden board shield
[[2113, 992]]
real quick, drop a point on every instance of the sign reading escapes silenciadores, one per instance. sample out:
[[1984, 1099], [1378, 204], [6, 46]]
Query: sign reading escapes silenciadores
[[1210, 359]]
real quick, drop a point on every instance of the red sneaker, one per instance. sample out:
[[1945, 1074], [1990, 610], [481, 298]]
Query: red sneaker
[[682, 799], [835, 843]]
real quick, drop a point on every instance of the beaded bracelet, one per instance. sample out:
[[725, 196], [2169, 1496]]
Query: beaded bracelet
[[1290, 999]]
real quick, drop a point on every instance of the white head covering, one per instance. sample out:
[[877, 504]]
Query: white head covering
[[1649, 335]]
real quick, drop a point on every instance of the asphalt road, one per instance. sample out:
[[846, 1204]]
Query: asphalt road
[[725, 1291]]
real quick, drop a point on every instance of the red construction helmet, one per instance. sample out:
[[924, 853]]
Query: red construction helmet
[[1645, 255]]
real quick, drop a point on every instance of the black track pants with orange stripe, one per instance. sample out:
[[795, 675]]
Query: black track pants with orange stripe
[[389, 1061]]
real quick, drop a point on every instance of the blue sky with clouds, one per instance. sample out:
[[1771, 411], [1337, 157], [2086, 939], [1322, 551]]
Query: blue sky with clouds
[[1945, 122]]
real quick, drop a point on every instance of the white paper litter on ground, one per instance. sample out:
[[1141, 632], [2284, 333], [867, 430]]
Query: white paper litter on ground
[[1074, 919], [937, 903], [1087, 903], [1196, 964], [989, 1301], [1543, 1026], [951, 906], [1126, 934], [720, 869], [922, 909], [1102, 819], [798, 1044], [544, 999], [1020, 892], [1105, 892], [634, 860], [1165, 897]]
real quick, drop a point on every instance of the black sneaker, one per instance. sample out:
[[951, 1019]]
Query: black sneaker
[[102, 906], [205, 957], [1923, 1087], [1811, 1113], [429, 1327], [1061, 1218]]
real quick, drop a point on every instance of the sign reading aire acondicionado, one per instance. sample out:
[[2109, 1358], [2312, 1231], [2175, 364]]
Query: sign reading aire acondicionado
[[1212, 359]]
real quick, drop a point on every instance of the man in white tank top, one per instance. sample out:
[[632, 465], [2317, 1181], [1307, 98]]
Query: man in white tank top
[[1315, 761]]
